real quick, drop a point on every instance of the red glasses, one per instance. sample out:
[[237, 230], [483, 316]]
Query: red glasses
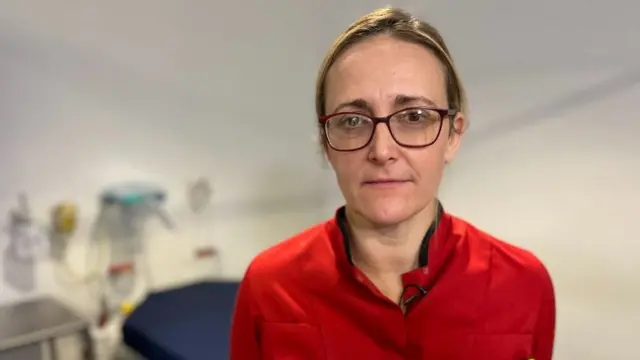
[[416, 127]]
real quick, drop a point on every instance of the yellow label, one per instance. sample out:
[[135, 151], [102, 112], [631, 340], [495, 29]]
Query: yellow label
[[65, 217]]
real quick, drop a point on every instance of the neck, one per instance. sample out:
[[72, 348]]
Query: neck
[[389, 250]]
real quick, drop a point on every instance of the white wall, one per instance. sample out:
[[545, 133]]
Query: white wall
[[563, 184], [143, 90], [164, 92]]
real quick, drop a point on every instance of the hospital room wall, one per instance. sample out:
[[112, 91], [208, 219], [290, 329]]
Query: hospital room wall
[[550, 161], [93, 96]]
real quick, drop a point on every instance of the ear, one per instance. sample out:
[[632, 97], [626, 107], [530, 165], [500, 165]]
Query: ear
[[456, 130]]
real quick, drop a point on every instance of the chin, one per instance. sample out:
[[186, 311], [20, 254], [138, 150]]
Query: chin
[[387, 212]]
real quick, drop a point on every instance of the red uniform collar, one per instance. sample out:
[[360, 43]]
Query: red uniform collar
[[435, 250]]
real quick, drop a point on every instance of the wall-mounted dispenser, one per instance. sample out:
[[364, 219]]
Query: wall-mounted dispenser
[[28, 240], [124, 211], [27, 243], [199, 195], [64, 218], [64, 221]]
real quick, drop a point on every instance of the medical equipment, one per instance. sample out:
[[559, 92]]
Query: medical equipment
[[64, 218], [28, 242], [124, 212], [26, 238]]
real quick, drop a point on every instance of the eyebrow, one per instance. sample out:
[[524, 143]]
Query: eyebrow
[[362, 104]]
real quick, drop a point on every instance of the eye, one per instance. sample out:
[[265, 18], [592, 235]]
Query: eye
[[415, 115], [351, 120]]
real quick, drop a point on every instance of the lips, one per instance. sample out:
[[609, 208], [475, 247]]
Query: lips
[[383, 182]]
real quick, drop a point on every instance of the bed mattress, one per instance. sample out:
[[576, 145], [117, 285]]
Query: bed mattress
[[186, 323]]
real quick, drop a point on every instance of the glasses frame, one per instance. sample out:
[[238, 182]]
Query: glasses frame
[[444, 113]]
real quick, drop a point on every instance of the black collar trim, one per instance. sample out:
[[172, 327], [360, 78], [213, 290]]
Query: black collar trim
[[423, 254]]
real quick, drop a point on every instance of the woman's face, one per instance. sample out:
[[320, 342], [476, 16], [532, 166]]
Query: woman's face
[[385, 182]]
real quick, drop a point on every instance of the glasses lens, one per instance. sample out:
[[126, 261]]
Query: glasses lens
[[348, 131], [416, 127]]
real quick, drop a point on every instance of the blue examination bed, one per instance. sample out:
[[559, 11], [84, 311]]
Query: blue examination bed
[[187, 323]]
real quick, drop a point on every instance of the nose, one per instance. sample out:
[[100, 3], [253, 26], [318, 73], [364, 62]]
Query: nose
[[383, 147]]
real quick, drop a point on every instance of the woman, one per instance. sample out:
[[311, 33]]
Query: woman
[[392, 275]]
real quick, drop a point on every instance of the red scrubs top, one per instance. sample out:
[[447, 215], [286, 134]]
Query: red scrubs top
[[474, 297]]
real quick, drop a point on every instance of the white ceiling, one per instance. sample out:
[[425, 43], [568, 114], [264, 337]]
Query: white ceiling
[[492, 37], [514, 55], [486, 36]]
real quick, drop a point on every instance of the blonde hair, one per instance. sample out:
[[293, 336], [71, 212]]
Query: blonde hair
[[402, 25]]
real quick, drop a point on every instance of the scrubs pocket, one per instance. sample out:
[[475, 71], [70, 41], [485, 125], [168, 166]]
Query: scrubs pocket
[[291, 341], [502, 347]]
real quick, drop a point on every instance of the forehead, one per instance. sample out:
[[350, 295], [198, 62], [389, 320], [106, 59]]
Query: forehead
[[380, 69]]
